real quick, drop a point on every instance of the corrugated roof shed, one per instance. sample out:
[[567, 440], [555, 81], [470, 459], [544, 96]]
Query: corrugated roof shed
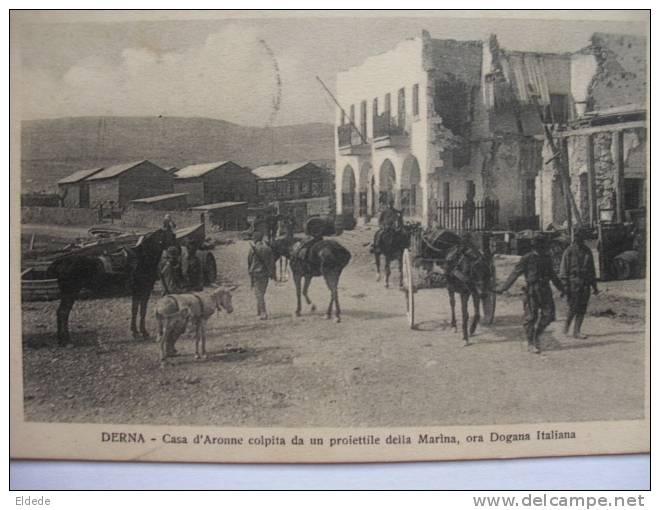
[[79, 176], [198, 170], [278, 170], [158, 198], [219, 205], [115, 170]]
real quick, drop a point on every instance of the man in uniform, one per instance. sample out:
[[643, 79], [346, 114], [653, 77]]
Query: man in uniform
[[539, 305], [171, 275], [194, 273], [388, 219], [261, 267], [578, 273]]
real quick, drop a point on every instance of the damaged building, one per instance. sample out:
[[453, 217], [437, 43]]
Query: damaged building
[[464, 121]]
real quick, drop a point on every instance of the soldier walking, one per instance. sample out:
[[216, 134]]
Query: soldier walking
[[261, 267], [539, 305], [578, 273]]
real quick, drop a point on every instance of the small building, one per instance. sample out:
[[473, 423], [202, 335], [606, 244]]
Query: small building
[[226, 215], [75, 188], [169, 202], [220, 181], [287, 181], [128, 181]]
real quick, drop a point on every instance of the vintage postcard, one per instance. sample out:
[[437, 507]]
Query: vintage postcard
[[332, 236]]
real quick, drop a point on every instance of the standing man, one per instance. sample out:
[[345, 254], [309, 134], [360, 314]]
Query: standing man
[[171, 275], [261, 267], [538, 304], [194, 272], [578, 273]]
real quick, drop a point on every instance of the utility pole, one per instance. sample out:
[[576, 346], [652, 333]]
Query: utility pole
[[364, 140], [560, 168]]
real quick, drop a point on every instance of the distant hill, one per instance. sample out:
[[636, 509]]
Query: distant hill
[[54, 148]]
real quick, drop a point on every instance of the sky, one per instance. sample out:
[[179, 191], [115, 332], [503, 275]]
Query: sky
[[250, 71]]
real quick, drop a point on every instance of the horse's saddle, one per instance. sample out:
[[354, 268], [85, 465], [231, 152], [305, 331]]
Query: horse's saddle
[[303, 251]]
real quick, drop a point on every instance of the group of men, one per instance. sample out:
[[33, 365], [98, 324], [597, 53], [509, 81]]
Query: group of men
[[576, 280]]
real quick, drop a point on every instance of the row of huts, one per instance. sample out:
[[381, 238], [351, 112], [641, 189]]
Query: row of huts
[[218, 186]]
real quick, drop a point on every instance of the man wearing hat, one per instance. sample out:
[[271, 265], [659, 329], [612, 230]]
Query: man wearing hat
[[538, 303], [578, 273], [261, 267], [171, 275]]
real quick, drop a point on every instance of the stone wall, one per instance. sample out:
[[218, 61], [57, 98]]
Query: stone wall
[[59, 215]]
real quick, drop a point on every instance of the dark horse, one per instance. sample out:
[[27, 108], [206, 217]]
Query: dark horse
[[325, 258], [76, 272], [467, 272], [390, 243]]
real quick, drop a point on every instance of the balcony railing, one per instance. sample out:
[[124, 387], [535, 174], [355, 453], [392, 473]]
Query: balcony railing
[[350, 142], [344, 134], [385, 125]]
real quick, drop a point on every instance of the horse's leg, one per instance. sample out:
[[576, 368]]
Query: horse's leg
[[476, 299], [63, 311], [388, 271], [465, 316], [329, 283], [400, 259], [377, 259], [135, 303], [165, 333], [307, 282], [198, 337], [452, 305], [336, 295], [144, 299], [203, 339], [296, 280]]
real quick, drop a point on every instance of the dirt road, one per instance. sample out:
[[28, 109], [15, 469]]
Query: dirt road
[[369, 370]]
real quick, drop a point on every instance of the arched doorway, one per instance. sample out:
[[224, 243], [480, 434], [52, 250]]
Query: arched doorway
[[365, 186], [411, 193], [386, 183], [348, 191]]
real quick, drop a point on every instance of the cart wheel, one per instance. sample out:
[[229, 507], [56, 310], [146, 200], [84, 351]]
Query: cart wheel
[[490, 299], [408, 288]]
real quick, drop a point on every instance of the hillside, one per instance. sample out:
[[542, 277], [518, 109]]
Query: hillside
[[54, 148]]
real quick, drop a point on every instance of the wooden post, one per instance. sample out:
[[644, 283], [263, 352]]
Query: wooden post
[[617, 141], [591, 173]]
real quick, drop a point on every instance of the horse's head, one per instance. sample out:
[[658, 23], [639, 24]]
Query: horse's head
[[157, 241], [222, 299], [282, 246]]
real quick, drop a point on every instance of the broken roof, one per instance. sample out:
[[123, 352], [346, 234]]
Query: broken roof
[[219, 205], [158, 198], [279, 170], [198, 170], [79, 176], [115, 170]]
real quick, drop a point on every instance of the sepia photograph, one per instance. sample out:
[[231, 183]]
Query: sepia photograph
[[324, 236]]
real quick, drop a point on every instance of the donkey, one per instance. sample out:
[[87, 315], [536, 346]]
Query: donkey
[[75, 272], [324, 257]]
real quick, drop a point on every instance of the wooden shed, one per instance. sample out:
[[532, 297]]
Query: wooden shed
[[286, 181], [168, 202], [225, 215], [128, 181], [75, 188], [221, 181]]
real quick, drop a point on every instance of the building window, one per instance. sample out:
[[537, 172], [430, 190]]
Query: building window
[[388, 103], [529, 197], [633, 194], [557, 111], [470, 189], [401, 107], [446, 196], [363, 118], [343, 118], [415, 99], [352, 114]]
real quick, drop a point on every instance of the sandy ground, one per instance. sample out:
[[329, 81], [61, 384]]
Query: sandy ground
[[369, 370]]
